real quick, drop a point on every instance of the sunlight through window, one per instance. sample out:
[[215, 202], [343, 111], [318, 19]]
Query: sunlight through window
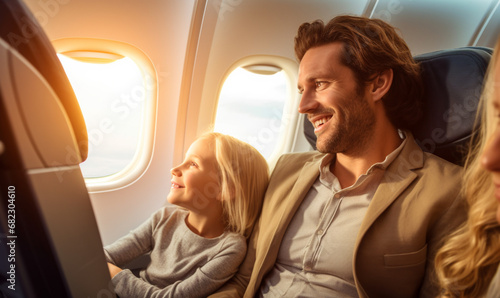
[[111, 96], [250, 108]]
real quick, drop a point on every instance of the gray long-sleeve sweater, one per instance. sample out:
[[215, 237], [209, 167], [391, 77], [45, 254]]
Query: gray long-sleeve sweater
[[183, 264]]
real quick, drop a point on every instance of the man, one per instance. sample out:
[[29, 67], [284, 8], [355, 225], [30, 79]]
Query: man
[[366, 215]]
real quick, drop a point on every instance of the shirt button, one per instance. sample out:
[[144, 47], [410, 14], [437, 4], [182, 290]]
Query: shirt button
[[319, 232], [307, 268]]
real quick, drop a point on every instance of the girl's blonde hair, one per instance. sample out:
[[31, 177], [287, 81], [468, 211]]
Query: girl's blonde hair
[[243, 178], [469, 259]]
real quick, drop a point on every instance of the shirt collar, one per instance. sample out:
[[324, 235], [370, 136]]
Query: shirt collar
[[327, 178]]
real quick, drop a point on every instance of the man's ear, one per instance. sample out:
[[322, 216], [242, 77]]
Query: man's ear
[[381, 84]]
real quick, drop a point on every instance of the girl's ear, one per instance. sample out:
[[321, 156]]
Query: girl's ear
[[381, 84]]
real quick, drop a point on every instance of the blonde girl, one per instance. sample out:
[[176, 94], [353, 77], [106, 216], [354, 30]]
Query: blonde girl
[[467, 263], [196, 248]]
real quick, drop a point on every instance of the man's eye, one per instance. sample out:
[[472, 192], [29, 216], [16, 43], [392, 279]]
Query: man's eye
[[193, 164], [319, 84]]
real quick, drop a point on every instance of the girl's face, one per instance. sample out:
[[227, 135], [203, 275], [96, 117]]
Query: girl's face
[[195, 182], [491, 154]]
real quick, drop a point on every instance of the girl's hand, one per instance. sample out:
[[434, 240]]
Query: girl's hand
[[113, 270]]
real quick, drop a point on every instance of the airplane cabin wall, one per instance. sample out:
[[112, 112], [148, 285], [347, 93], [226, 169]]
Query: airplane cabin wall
[[430, 25]]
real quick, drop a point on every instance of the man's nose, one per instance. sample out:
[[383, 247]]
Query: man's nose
[[308, 102]]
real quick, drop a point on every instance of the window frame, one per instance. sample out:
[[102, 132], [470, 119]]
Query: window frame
[[142, 158]]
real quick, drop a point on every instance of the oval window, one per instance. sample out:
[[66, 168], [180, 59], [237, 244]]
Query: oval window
[[251, 104]]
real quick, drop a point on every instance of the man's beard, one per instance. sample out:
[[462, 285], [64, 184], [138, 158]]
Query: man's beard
[[352, 131]]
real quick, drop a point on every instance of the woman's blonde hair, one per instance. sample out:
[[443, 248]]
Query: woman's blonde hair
[[243, 178], [469, 259]]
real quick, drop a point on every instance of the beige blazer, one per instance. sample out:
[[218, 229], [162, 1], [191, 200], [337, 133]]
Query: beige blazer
[[416, 205], [494, 288]]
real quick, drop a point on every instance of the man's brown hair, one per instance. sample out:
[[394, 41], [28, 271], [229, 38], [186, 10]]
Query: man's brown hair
[[371, 46]]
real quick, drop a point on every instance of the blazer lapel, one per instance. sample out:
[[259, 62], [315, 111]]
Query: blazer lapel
[[290, 202], [305, 180], [398, 176]]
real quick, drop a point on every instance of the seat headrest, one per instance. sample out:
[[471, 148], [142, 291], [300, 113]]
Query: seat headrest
[[19, 28], [453, 81]]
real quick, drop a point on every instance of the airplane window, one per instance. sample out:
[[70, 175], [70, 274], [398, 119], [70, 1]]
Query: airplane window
[[111, 92], [251, 105]]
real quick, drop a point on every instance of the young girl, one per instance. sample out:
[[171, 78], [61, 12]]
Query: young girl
[[467, 263], [198, 247]]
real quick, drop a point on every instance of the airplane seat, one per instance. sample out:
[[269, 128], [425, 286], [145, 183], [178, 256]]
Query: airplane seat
[[453, 82], [49, 239]]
